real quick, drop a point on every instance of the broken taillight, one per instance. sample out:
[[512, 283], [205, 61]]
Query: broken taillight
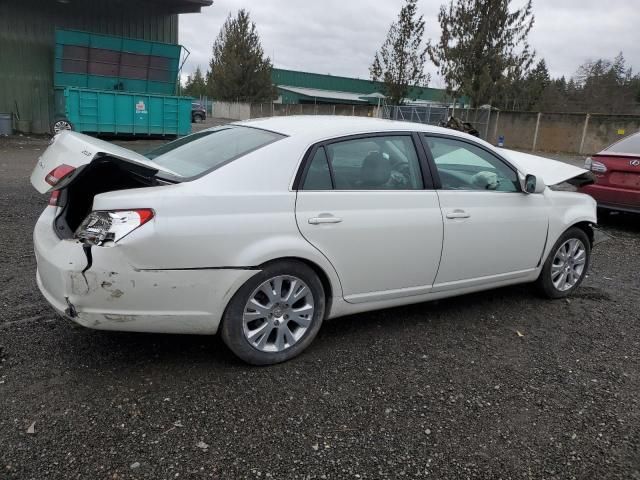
[[103, 226], [58, 173], [53, 199]]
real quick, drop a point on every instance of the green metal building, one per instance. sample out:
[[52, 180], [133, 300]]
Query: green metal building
[[27, 42], [306, 87]]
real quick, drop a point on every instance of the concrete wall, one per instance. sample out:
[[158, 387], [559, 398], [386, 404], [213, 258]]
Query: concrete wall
[[560, 132], [232, 110], [244, 111]]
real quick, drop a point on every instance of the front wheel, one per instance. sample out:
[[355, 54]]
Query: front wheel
[[275, 315], [567, 264]]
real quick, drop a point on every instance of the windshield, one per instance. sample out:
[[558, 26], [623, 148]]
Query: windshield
[[630, 144], [205, 151]]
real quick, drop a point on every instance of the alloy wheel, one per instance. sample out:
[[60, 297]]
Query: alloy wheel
[[278, 313], [568, 264], [61, 125]]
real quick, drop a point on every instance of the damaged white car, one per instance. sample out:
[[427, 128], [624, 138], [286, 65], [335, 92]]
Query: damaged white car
[[260, 230]]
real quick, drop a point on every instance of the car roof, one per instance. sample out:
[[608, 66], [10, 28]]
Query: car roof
[[327, 126]]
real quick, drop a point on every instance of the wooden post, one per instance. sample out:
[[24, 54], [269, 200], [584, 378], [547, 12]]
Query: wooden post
[[353, 110], [584, 133], [535, 134]]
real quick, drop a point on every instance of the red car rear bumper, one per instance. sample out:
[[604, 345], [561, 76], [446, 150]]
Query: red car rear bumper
[[614, 198]]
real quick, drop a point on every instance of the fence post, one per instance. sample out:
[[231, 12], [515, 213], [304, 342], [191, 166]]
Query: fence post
[[486, 129], [334, 109], [495, 128], [584, 133], [353, 110], [535, 134]]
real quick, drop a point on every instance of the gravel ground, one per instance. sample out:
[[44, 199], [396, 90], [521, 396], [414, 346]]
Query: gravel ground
[[501, 384]]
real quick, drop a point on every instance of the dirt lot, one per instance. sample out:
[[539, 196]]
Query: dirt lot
[[440, 390]]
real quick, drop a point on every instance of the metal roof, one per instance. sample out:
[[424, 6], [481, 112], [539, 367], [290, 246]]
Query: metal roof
[[358, 86], [325, 94], [183, 6], [168, 6]]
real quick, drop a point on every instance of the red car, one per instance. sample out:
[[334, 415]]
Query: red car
[[617, 172]]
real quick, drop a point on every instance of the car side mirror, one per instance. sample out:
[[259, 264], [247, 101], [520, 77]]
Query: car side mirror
[[533, 184]]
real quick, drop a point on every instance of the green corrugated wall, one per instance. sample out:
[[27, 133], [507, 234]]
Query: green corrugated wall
[[27, 44]]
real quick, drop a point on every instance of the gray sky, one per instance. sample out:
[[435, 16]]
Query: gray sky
[[340, 37]]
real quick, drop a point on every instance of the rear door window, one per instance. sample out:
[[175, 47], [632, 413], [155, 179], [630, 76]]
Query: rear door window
[[371, 163], [318, 175]]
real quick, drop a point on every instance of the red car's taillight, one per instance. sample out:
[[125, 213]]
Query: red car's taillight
[[58, 173], [594, 166]]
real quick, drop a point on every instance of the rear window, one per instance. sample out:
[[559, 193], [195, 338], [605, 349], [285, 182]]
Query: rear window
[[630, 144], [202, 152]]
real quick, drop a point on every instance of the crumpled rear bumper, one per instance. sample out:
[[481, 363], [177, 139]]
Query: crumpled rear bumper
[[114, 295]]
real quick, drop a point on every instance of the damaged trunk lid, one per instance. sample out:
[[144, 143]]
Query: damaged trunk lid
[[68, 154], [552, 172]]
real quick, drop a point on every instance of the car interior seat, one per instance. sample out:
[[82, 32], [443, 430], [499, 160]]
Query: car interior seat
[[375, 171]]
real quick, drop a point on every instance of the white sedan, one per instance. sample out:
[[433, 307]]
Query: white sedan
[[263, 229]]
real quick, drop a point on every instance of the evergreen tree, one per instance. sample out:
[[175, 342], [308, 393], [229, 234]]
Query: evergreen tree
[[400, 62], [536, 83], [196, 85], [483, 47], [239, 71]]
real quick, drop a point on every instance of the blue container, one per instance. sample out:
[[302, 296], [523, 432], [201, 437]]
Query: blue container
[[114, 112]]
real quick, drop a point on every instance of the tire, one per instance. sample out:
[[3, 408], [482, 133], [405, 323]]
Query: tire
[[551, 285], [61, 124], [197, 118], [277, 330]]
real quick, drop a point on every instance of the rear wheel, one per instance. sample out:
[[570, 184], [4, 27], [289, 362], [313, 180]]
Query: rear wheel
[[275, 315], [567, 264], [60, 125]]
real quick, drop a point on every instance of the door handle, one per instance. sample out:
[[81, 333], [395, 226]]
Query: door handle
[[458, 213], [322, 219]]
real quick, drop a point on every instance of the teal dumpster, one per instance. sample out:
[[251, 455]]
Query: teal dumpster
[[115, 112], [106, 84]]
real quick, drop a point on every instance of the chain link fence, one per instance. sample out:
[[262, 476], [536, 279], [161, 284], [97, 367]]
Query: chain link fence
[[438, 115]]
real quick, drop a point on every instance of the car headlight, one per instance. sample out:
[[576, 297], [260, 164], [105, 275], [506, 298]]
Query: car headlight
[[101, 227]]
